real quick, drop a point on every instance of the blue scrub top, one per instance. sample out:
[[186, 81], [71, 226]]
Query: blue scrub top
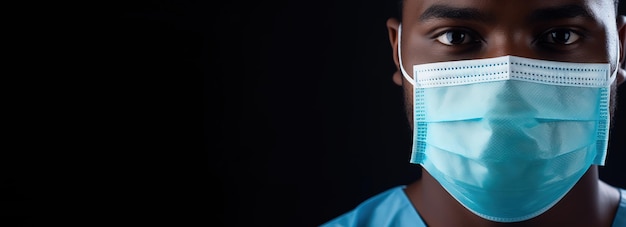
[[393, 208]]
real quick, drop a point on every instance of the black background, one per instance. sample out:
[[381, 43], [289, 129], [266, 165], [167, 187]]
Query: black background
[[301, 118], [308, 120]]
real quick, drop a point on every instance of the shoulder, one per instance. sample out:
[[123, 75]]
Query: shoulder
[[388, 208]]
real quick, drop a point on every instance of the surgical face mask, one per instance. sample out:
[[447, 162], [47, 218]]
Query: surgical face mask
[[508, 137]]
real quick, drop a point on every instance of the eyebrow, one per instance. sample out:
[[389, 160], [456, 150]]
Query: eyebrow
[[552, 13], [560, 12], [448, 12]]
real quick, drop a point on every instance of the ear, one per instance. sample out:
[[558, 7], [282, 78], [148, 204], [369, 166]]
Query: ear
[[621, 30], [392, 29]]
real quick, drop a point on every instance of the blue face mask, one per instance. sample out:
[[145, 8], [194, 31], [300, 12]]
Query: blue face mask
[[508, 137]]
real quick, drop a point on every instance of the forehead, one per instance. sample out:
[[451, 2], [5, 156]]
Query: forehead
[[598, 10]]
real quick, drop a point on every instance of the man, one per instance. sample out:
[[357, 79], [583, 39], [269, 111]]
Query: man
[[510, 102]]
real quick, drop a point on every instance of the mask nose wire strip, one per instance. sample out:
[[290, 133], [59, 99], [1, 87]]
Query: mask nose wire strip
[[406, 75]]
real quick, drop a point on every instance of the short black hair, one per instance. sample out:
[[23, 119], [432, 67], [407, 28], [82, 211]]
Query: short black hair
[[400, 3]]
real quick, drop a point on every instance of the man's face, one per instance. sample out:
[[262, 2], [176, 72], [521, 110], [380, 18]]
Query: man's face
[[558, 30]]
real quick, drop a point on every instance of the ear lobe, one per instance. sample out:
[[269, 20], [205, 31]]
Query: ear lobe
[[397, 78], [392, 29]]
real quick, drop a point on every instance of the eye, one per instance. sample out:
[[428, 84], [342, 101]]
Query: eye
[[456, 37], [560, 36]]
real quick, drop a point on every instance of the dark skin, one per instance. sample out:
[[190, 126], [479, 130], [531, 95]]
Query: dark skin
[[559, 30]]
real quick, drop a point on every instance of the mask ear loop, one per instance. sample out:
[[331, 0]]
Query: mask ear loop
[[613, 75], [404, 73]]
